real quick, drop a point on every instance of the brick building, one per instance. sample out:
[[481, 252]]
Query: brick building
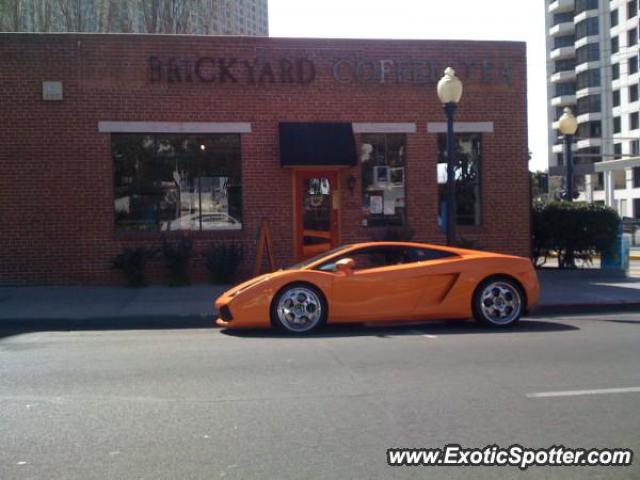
[[114, 141]]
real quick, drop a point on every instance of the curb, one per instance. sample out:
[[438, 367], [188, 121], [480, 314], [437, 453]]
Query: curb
[[142, 322]]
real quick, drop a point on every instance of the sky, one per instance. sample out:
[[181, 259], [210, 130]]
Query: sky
[[521, 20]]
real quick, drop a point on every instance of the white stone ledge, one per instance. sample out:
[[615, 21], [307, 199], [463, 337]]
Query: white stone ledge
[[461, 127], [384, 128], [174, 127]]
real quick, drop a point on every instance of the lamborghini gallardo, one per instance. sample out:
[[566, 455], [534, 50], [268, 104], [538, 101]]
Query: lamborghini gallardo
[[384, 282]]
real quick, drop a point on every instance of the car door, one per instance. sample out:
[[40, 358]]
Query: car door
[[387, 284]]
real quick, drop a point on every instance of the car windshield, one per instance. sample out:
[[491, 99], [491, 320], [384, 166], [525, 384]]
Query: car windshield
[[309, 261]]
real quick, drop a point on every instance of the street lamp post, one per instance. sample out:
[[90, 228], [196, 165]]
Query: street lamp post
[[450, 92], [567, 124]]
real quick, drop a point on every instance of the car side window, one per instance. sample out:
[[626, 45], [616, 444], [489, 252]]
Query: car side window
[[384, 256], [426, 254], [367, 258]]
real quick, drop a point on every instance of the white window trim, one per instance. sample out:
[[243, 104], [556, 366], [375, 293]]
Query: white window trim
[[384, 128], [461, 127], [173, 127]]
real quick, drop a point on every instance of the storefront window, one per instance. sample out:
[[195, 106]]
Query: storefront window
[[177, 182], [383, 179], [468, 155]]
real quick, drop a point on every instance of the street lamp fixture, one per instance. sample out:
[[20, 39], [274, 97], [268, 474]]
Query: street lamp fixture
[[449, 93], [568, 125]]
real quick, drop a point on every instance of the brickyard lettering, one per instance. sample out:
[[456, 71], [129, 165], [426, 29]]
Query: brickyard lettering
[[231, 70], [302, 71]]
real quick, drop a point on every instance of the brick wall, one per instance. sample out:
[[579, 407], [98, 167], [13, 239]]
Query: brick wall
[[56, 186]]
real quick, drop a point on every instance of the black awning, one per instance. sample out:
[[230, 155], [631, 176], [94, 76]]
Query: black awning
[[311, 144]]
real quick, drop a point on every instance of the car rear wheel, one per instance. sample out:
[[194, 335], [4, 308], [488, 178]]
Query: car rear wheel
[[498, 302], [299, 308]]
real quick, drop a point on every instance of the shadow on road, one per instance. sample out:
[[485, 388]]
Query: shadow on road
[[17, 327], [388, 331]]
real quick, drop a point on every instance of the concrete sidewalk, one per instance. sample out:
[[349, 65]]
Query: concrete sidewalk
[[82, 303], [585, 289], [561, 291]]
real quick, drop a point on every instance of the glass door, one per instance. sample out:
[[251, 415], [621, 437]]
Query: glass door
[[317, 201]]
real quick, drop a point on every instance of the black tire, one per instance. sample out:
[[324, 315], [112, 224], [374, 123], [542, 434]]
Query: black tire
[[303, 317], [498, 302]]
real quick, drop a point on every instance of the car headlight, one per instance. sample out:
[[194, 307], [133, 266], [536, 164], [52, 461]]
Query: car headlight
[[250, 285]]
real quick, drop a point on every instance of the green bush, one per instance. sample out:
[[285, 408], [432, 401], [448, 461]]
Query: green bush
[[572, 230], [176, 259], [132, 262], [222, 261]]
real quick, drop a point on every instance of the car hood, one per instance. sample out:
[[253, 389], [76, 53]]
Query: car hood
[[254, 281]]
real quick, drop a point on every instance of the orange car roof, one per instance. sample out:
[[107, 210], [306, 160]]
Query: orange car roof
[[444, 248], [463, 252]]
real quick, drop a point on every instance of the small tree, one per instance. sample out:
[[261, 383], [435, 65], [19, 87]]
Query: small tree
[[572, 230], [222, 260], [176, 259], [132, 263]]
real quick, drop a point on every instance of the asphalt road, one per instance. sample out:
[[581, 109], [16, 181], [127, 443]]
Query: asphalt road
[[206, 404]]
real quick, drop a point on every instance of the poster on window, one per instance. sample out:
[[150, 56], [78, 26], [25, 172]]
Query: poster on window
[[390, 207], [375, 204]]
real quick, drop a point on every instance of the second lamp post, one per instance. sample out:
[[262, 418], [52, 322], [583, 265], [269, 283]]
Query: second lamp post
[[567, 124], [450, 92]]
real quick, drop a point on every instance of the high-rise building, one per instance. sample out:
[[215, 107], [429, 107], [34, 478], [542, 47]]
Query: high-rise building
[[203, 17], [592, 66]]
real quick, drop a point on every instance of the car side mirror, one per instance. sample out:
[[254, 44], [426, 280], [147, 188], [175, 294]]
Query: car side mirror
[[346, 266]]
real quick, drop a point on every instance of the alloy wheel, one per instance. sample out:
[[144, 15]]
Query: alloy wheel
[[299, 309], [500, 303]]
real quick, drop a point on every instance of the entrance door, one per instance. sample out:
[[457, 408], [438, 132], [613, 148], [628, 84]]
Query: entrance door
[[317, 201]]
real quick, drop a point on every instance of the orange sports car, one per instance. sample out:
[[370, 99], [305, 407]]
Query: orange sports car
[[384, 282]]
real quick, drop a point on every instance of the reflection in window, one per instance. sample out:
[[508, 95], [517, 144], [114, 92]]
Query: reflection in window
[[316, 217], [468, 151], [383, 179], [619, 179], [597, 180], [177, 182]]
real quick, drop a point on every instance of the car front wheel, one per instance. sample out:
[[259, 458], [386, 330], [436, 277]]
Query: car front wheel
[[498, 302], [299, 308]]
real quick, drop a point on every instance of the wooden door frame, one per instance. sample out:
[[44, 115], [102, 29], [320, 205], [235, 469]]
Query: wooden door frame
[[297, 180]]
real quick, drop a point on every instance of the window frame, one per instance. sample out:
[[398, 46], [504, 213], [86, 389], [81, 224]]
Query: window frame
[[587, 79], [587, 27], [635, 174], [617, 124], [157, 167], [479, 181], [615, 44], [615, 71], [615, 98], [385, 221]]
